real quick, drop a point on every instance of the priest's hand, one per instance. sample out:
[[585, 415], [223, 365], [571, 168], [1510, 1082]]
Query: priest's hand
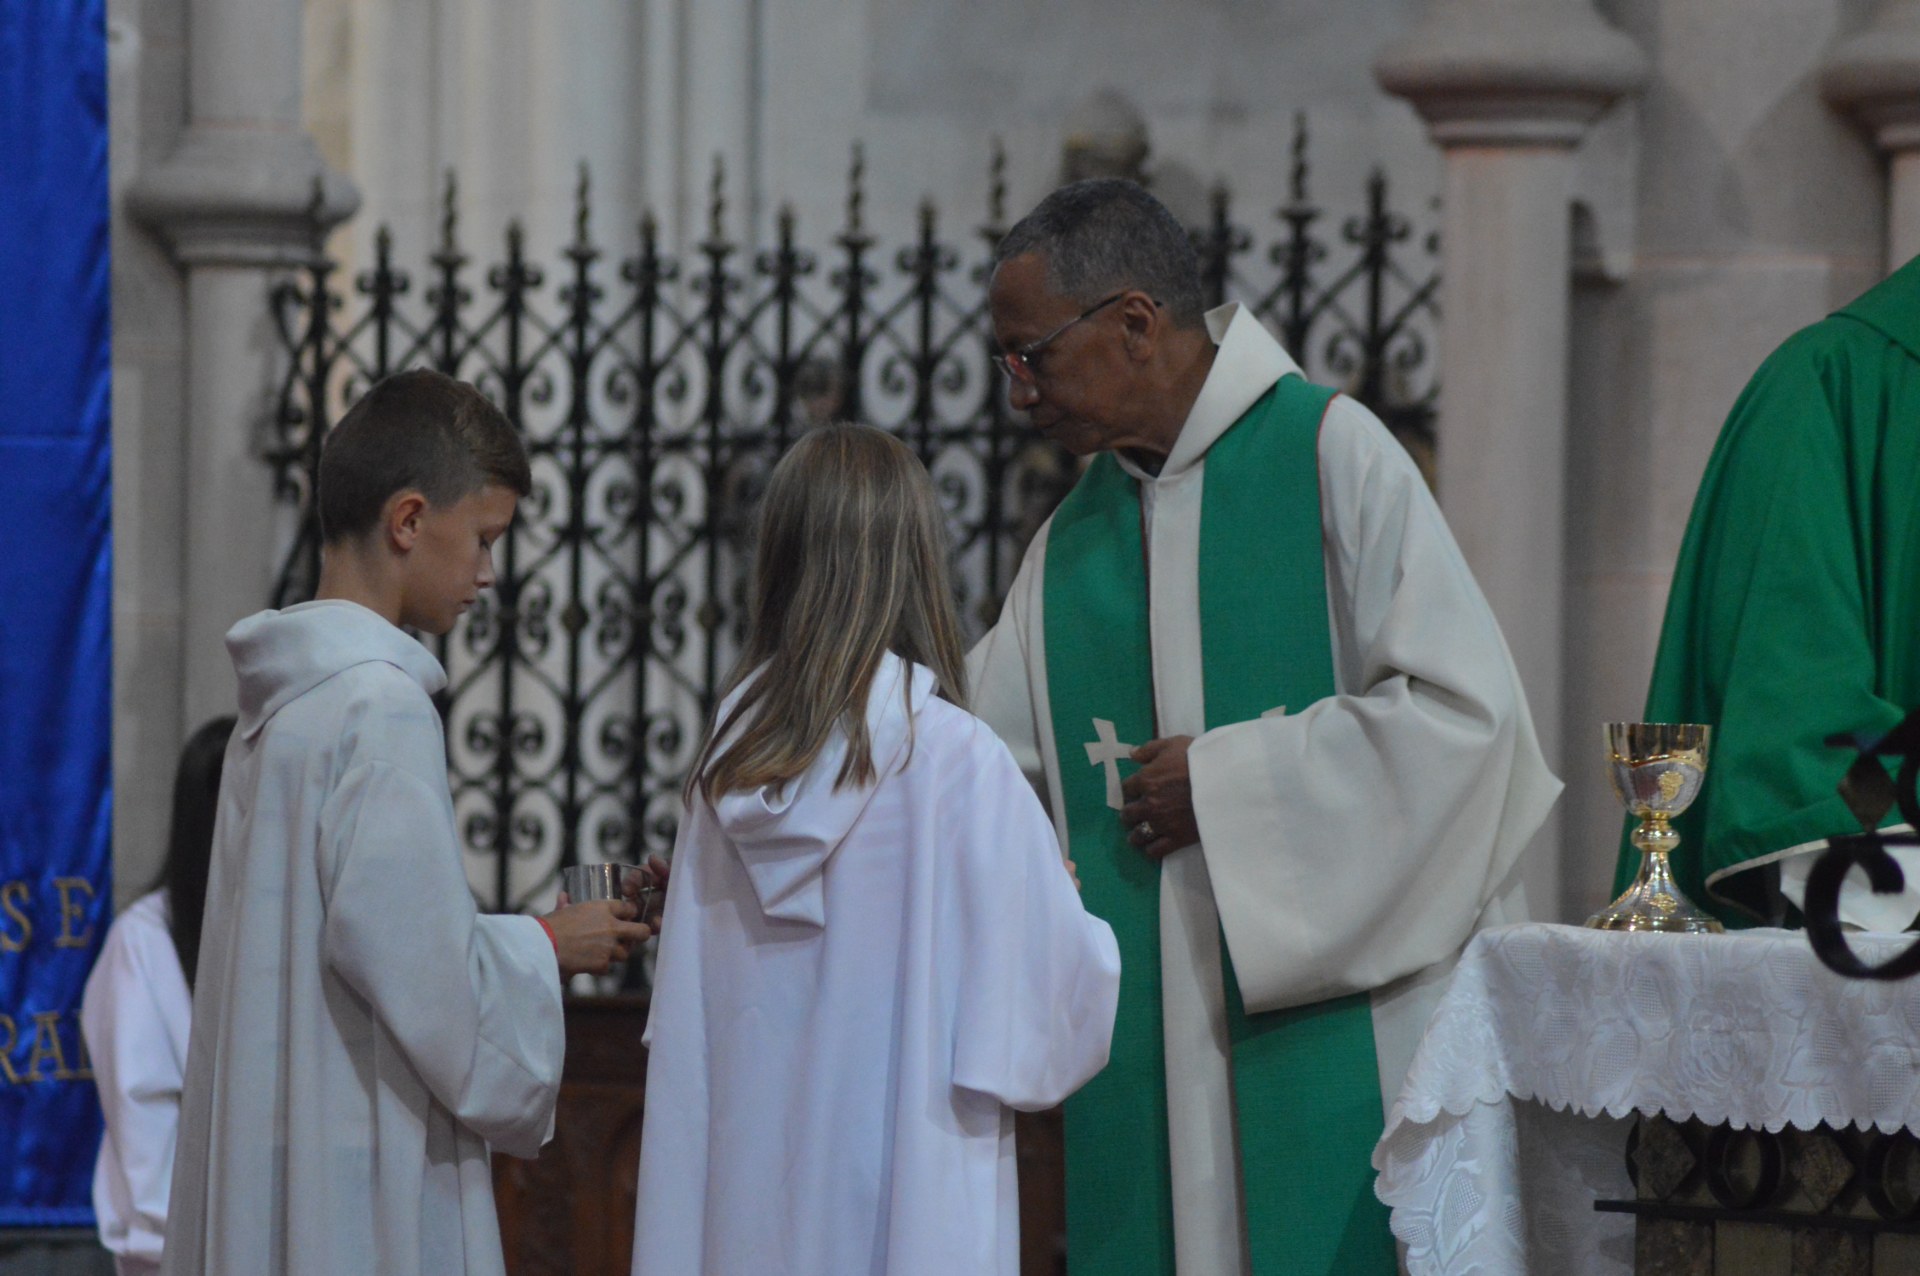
[[1159, 810], [590, 936]]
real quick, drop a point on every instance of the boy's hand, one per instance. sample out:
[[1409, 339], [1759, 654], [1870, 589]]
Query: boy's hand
[[591, 936]]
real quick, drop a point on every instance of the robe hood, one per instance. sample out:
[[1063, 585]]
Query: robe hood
[[1892, 308], [1248, 363], [785, 836], [281, 655]]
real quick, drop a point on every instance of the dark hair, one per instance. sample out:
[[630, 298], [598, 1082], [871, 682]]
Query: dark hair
[[196, 797], [851, 564], [1104, 234], [416, 430]]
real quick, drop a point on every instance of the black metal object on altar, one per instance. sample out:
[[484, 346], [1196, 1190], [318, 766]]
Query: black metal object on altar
[[1870, 792], [655, 389]]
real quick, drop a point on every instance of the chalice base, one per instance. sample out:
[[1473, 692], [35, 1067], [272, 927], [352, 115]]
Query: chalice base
[[1653, 902]]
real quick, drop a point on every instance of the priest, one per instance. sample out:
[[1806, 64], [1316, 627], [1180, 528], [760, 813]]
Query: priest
[[1281, 734], [1794, 613]]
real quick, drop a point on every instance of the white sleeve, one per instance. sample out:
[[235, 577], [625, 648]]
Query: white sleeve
[[137, 1072], [1041, 982], [999, 689], [1359, 839], [473, 1002]]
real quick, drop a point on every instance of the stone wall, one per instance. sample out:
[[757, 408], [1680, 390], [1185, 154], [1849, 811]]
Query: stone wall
[[648, 93], [1713, 211]]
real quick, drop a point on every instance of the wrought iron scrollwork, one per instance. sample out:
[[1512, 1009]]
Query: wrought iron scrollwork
[[1824, 1183], [1870, 792], [655, 389]]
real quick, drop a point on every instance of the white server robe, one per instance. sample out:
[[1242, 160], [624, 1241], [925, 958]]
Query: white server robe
[[135, 1014], [854, 990], [361, 1034]]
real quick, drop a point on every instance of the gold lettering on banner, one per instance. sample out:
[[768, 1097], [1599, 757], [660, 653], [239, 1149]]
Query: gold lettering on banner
[[6, 1050], [47, 1045], [69, 910], [12, 895]]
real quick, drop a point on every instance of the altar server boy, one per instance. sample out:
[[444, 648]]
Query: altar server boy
[[361, 1035], [873, 949]]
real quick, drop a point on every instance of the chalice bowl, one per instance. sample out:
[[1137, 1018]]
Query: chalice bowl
[[1657, 769], [632, 882]]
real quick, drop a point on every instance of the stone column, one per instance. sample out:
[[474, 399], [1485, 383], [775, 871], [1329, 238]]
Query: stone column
[[1876, 76], [1508, 88], [237, 200]]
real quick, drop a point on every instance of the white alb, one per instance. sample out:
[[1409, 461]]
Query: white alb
[[1347, 846], [135, 1014], [361, 1035], [856, 986]]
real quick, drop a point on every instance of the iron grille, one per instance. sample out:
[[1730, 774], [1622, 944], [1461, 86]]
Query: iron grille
[[654, 394]]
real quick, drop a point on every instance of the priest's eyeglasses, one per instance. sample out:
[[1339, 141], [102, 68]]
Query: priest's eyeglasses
[[1022, 363]]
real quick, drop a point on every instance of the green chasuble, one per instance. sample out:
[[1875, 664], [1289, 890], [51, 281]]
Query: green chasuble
[[1795, 610], [1305, 1080]]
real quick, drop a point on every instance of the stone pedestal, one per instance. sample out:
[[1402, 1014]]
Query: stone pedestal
[[1875, 75], [1508, 89]]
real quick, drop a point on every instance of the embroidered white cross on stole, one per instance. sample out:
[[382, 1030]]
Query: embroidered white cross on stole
[[1107, 750]]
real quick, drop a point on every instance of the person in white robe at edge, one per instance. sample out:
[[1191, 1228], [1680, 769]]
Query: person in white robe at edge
[[362, 1037], [872, 949], [1344, 844], [136, 1012]]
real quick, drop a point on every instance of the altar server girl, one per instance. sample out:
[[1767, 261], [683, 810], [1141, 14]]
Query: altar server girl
[[873, 949], [135, 1014]]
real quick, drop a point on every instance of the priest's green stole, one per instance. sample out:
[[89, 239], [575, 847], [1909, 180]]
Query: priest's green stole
[[1305, 1081]]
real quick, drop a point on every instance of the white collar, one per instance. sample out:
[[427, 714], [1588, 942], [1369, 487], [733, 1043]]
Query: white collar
[[1245, 367]]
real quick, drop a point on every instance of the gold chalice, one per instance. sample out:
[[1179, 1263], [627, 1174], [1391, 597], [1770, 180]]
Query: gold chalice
[[1657, 769]]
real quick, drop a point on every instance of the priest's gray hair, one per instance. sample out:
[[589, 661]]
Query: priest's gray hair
[[1104, 234]]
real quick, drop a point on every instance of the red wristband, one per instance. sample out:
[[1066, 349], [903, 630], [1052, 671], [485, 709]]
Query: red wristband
[[551, 937]]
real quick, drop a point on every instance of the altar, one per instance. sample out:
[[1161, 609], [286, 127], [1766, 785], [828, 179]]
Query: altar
[[1728, 1103]]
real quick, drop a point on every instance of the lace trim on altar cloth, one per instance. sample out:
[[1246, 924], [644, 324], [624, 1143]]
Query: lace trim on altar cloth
[[1746, 1029]]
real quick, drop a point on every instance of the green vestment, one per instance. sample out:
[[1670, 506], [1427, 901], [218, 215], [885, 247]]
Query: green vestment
[[1306, 1080], [1795, 610]]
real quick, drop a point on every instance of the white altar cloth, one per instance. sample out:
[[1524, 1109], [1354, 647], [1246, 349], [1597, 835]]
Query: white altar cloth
[[1514, 1116]]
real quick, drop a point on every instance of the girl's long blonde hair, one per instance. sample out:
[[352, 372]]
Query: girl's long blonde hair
[[851, 564]]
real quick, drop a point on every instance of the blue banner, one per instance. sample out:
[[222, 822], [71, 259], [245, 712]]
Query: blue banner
[[55, 604]]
